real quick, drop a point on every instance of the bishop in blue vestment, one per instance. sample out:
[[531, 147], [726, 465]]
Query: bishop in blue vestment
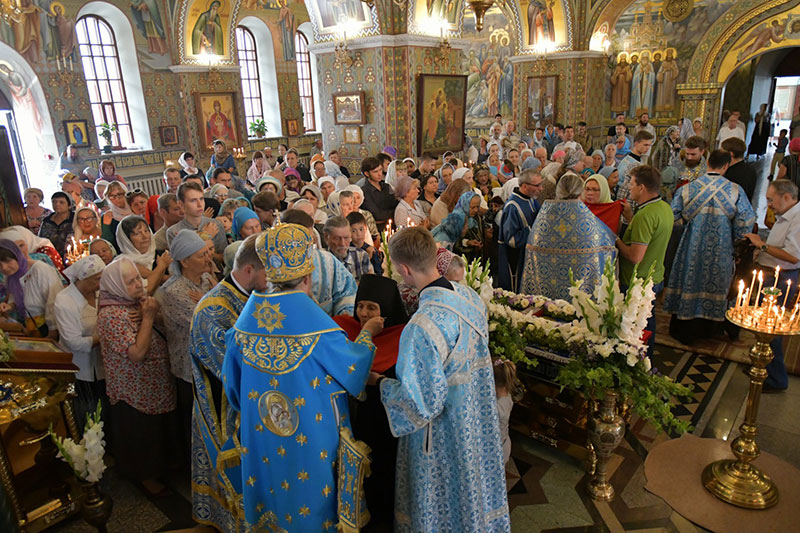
[[288, 370], [566, 235]]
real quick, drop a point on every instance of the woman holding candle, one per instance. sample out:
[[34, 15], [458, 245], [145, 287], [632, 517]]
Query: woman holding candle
[[779, 256]]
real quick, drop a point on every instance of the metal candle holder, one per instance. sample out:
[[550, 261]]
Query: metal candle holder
[[736, 481]]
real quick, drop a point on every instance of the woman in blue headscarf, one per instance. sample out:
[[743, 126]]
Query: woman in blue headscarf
[[245, 219], [460, 230]]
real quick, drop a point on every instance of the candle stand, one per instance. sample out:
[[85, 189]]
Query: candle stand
[[737, 481]]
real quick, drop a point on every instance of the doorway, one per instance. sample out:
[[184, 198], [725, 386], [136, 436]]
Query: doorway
[[7, 120]]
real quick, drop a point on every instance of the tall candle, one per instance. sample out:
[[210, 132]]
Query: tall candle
[[788, 287], [752, 284], [741, 293], [777, 275], [760, 283]]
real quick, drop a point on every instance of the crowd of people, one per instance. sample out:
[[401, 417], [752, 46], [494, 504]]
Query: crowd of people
[[190, 313]]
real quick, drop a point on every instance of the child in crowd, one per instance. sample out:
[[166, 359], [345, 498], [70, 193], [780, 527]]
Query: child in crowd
[[780, 151], [227, 223], [505, 376], [358, 235]]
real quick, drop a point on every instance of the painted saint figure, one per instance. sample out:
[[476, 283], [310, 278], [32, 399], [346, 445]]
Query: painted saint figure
[[667, 78], [207, 34], [286, 22], [26, 26], [762, 37], [148, 19], [621, 86], [644, 81], [219, 126], [63, 29], [541, 29]]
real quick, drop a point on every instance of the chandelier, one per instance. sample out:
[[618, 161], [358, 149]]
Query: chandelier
[[480, 7]]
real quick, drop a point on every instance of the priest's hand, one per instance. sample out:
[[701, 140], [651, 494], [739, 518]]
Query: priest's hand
[[757, 241], [373, 378], [374, 325]]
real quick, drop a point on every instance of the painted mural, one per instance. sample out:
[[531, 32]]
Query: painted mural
[[206, 29], [544, 23], [487, 64], [431, 17], [331, 18], [779, 31], [650, 55], [41, 32]]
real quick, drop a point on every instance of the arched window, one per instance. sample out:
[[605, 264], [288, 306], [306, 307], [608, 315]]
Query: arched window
[[303, 60], [251, 82], [101, 68]]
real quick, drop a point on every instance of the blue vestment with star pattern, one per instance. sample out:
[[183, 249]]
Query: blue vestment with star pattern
[[288, 370], [450, 472], [216, 474]]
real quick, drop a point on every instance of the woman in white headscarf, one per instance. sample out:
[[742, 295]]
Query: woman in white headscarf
[[190, 280], [118, 209], [86, 224], [139, 384], [33, 246], [136, 242], [372, 227], [314, 195], [76, 315], [188, 168]]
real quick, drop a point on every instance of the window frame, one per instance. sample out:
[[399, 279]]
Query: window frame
[[253, 81], [303, 61], [104, 110]]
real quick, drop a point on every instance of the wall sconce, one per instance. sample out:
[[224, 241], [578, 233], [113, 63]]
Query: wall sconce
[[541, 64], [342, 54], [213, 70], [444, 50]]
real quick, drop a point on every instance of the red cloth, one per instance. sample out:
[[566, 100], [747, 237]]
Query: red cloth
[[387, 342], [609, 213]]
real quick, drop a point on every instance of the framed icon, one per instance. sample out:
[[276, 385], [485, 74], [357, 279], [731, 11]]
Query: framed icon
[[217, 118], [441, 112], [352, 135], [169, 135], [349, 108], [77, 133], [293, 127]]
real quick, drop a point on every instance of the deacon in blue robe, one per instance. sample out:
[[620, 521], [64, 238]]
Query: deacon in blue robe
[[566, 235], [450, 472], [518, 216], [332, 285], [716, 213], [288, 371], [216, 474]]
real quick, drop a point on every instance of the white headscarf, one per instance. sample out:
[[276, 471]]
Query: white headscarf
[[358, 192], [112, 282], [325, 179], [86, 267], [21, 233], [334, 207], [97, 185], [182, 162], [391, 174], [129, 250], [76, 227], [342, 183], [458, 174], [118, 212], [332, 169]]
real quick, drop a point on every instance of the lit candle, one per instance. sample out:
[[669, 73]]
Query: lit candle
[[752, 285], [788, 286], [739, 296], [760, 283], [777, 275]]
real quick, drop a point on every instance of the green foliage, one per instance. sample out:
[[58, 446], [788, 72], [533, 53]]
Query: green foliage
[[258, 127], [107, 130], [6, 347], [648, 394]]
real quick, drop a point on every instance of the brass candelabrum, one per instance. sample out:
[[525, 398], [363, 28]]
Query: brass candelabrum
[[737, 481]]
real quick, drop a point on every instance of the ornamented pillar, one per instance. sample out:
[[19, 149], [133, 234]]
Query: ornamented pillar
[[701, 100]]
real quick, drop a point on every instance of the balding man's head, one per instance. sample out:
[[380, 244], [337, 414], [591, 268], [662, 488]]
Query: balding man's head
[[541, 154]]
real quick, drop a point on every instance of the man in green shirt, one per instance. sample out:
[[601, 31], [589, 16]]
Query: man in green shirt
[[645, 241]]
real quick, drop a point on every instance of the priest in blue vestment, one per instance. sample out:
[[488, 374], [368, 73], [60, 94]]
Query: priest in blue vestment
[[519, 212], [715, 213], [442, 406], [288, 371], [566, 235], [216, 474]]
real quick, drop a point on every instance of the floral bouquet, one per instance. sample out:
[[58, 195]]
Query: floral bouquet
[[611, 355], [86, 457], [476, 277], [556, 309]]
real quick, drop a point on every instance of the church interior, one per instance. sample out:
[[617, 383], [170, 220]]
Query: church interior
[[141, 83]]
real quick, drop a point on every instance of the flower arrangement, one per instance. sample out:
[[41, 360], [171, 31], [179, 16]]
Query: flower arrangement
[[611, 355], [86, 457], [556, 309], [476, 277]]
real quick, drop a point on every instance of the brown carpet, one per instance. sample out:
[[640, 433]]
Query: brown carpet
[[673, 470]]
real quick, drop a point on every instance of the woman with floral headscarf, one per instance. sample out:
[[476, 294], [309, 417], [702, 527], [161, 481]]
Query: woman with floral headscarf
[[667, 152], [452, 233]]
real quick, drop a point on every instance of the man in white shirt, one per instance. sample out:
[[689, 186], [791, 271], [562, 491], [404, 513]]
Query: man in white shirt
[[729, 130], [569, 142], [644, 125], [782, 248]]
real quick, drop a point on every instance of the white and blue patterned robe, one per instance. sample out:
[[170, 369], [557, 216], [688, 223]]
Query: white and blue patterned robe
[[450, 472], [703, 266], [332, 286], [216, 490]]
